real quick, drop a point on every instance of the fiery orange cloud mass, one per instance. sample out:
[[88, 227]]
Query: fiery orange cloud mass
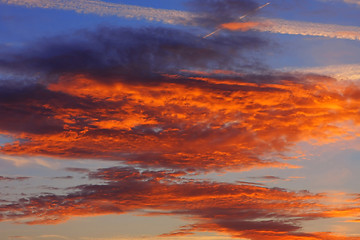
[[187, 122]]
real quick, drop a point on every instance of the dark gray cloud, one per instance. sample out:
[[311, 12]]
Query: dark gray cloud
[[77, 170], [212, 13], [2, 178], [21, 112], [133, 55], [32, 108], [62, 178]]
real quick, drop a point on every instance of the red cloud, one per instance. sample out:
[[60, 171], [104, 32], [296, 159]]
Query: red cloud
[[241, 210]]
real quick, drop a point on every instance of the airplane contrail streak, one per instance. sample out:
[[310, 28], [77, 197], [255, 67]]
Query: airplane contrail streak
[[242, 17], [255, 10], [212, 33]]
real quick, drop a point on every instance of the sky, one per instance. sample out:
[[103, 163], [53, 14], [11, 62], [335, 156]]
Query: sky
[[181, 119]]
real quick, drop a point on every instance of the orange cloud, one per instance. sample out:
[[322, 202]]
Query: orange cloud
[[239, 26], [241, 210], [204, 123]]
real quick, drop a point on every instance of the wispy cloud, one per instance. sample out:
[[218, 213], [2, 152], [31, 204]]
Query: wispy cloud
[[215, 19], [220, 237], [19, 237], [283, 26], [341, 72], [353, 1], [52, 237], [106, 8], [270, 178], [346, 1], [308, 29], [38, 237], [23, 161], [2, 178]]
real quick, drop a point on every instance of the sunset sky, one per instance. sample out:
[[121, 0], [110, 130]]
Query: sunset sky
[[130, 120]]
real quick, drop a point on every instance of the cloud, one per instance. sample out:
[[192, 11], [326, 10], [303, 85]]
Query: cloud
[[138, 191], [175, 105], [212, 13], [207, 13], [347, 1], [109, 95], [309, 29], [77, 170], [352, 1], [270, 178], [63, 178], [188, 121], [2, 178], [220, 237], [53, 236], [176, 117], [241, 210], [121, 53], [34, 119], [342, 72], [283, 26], [239, 26], [18, 237], [24, 161], [105, 8], [117, 65], [202, 12]]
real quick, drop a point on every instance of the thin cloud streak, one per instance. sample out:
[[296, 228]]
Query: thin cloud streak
[[220, 237], [352, 1], [308, 29], [345, 1], [3, 178], [350, 72], [105, 8], [280, 26]]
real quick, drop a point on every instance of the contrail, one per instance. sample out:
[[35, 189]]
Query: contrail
[[240, 18], [253, 11], [212, 33]]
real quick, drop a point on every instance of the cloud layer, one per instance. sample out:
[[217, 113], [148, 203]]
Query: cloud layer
[[170, 105], [243, 211]]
